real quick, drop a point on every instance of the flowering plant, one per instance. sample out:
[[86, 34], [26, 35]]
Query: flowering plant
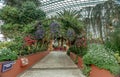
[[70, 34], [39, 34], [55, 29], [29, 41], [101, 57]]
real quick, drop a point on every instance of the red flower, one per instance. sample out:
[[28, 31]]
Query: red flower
[[29, 41]]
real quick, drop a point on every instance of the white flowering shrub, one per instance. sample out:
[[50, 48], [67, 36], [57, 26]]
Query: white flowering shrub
[[99, 56]]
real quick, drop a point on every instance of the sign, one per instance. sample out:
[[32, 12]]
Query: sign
[[24, 61], [7, 66]]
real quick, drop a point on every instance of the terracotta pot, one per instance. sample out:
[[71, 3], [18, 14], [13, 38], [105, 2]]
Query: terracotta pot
[[97, 72], [80, 62], [73, 56], [17, 69]]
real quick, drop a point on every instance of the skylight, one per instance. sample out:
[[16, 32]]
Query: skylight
[[53, 6]]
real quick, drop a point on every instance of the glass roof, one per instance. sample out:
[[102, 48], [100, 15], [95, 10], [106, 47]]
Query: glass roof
[[53, 6]]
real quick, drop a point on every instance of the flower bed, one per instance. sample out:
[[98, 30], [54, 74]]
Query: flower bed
[[18, 68], [95, 71]]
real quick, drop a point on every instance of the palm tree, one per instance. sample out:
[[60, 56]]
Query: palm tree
[[71, 19]]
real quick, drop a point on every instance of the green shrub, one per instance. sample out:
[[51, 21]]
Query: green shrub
[[9, 14], [86, 70], [29, 13], [26, 13], [7, 55], [18, 3], [77, 50], [113, 41], [71, 49], [42, 48], [102, 58], [4, 44], [14, 30], [117, 56]]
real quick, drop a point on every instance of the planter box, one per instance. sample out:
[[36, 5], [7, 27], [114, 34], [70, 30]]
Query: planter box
[[97, 72], [73, 56], [18, 68], [80, 62]]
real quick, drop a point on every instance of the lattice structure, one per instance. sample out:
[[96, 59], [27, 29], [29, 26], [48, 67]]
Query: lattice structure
[[53, 6]]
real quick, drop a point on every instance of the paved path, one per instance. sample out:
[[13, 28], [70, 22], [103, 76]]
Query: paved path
[[56, 64]]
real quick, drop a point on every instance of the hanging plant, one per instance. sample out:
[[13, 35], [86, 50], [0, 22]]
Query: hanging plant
[[70, 34], [55, 30], [39, 34]]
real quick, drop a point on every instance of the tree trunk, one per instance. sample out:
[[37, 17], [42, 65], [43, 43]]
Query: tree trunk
[[50, 46]]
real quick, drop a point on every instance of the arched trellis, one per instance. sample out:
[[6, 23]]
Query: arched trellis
[[70, 26]]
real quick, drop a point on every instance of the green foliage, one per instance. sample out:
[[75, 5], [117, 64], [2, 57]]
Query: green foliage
[[7, 55], [42, 48], [27, 13], [14, 30], [29, 28], [16, 45], [18, 3], [9, 14], [70, 19], [102, 58], [86, 70], [113, 41], [77, 50], [19, 22], [117, 57], [4, 44], [11, 30]]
